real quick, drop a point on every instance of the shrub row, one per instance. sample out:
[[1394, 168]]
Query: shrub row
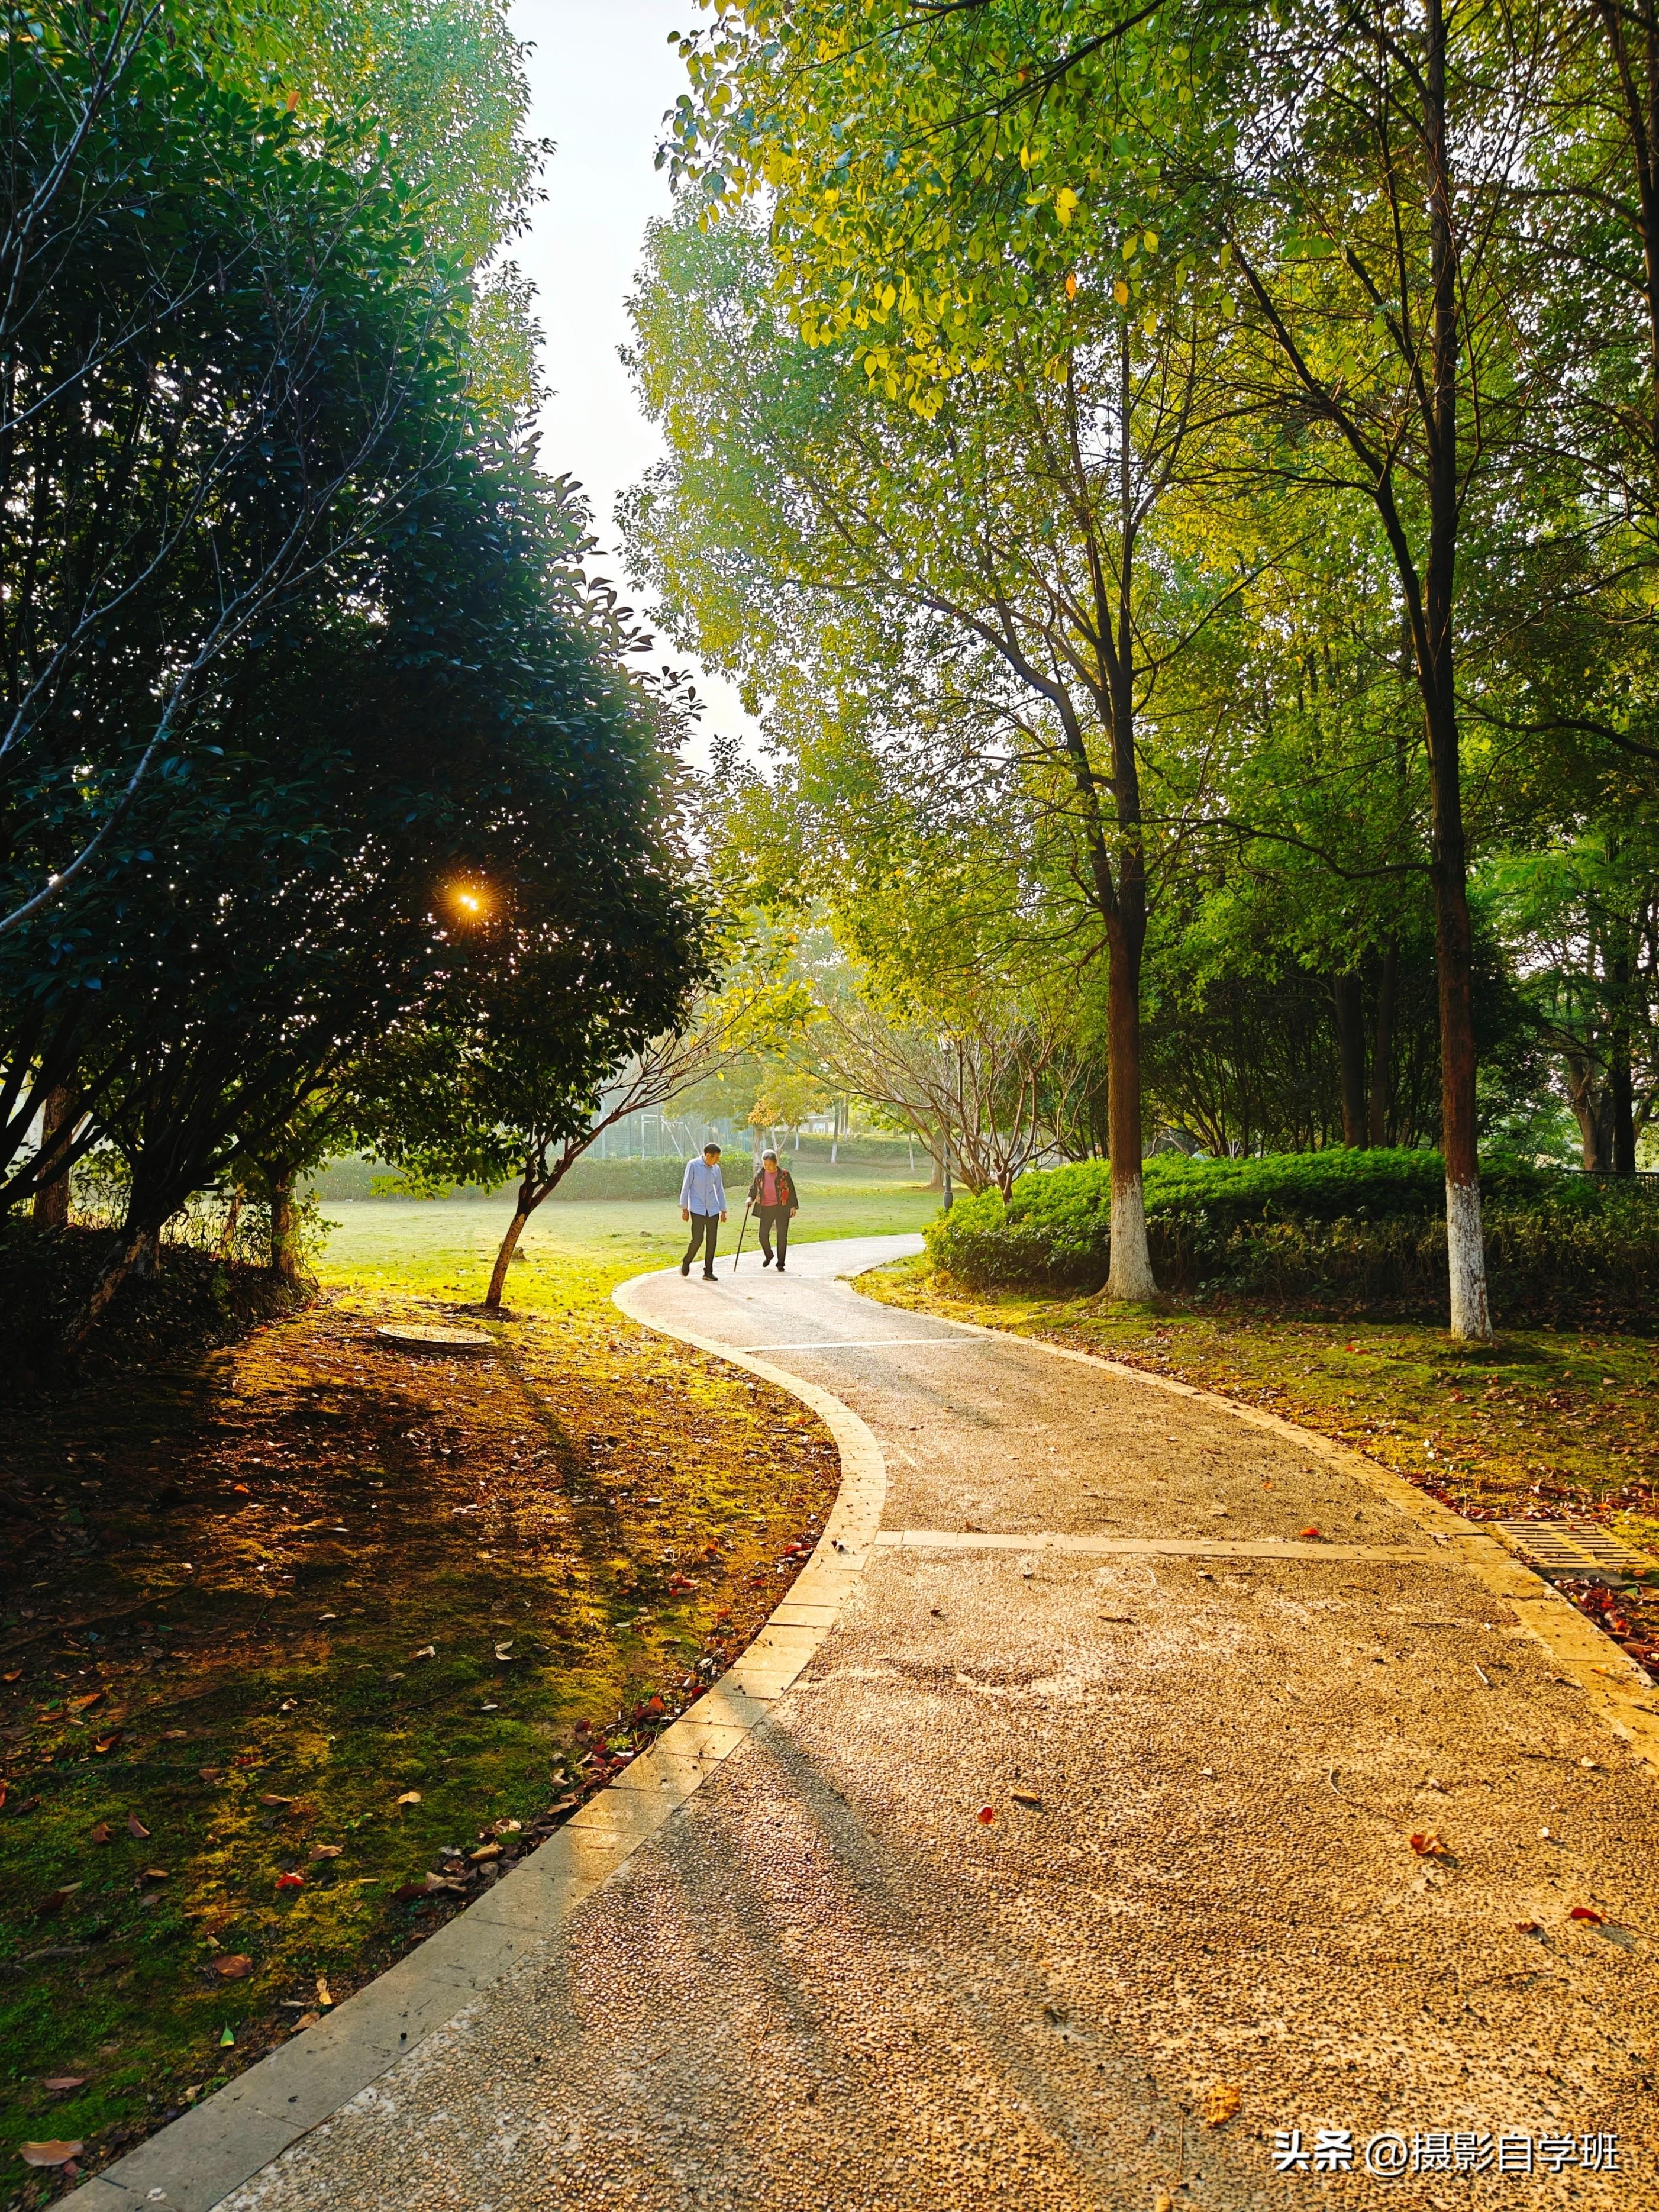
[[1357, 1228]]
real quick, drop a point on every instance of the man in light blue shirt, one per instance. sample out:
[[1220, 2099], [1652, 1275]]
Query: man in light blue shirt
[[702, 1203]]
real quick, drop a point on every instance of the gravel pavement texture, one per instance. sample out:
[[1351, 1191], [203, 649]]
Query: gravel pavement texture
[[831, 1982]]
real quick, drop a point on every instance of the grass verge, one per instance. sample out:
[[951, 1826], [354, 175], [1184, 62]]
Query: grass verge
[[298, 1628]]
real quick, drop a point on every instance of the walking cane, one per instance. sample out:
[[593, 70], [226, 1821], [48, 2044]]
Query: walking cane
[[738, 1254]]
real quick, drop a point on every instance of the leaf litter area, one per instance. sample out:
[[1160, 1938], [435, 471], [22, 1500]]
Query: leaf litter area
[[1543, 1425], [304, 1641]]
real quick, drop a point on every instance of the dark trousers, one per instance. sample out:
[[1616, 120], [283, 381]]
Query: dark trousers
[[705, 1228], [773, 1222]]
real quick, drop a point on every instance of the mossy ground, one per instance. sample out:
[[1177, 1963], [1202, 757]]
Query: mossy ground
[[285, 1620]]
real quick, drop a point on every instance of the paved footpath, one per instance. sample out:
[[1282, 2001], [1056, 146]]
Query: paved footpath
[[826, 1981]]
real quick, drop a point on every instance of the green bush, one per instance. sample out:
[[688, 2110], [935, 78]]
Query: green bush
[[1361, 1228]]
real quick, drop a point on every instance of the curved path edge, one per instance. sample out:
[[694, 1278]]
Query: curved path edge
[[1616, 1689], [196, 2161]]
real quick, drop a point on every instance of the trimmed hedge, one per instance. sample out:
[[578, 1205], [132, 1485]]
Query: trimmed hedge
[[1359, 1228]]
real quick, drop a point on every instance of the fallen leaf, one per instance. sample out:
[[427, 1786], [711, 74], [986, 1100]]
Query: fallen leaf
[[175, 1735], [426, 1652], [210, 1773], [104, 1743], [1027, 1797], [287, 1705], [225, 2041], [100, 1833], [410, 1797], [504, 1650], [1221, 2101], [53, 1904], [325, 1851], [83, 1704], [484, 1853], [28, 1805], [1588, 1912], [15, 1675], [290, 1881], [275, 1802], [987, 1814], [61, 2084], [323, 1996], [154, 1873], [1310, 1533], [305, 2020], [233, 1966], [48, 2154], [1429, 1847], [137, 1829]]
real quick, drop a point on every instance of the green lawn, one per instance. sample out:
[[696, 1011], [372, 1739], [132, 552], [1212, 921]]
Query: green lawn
[[444, 1247]]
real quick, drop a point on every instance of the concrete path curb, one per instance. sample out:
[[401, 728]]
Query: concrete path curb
[[200, 2158]]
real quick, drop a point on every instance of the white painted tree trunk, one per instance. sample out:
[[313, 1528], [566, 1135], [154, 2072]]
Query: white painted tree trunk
[[1465, 1257], [1132, 1264]]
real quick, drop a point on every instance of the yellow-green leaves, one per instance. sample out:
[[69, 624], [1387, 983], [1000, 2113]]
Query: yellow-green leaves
[[1066, 204]]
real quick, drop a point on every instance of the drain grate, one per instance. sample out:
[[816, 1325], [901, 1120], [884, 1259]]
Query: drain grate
[[1573, 1547]]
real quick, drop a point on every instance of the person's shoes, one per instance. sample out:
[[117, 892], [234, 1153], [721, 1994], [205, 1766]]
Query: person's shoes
[[780, 1267], [685, 1267], [765, 1259], [708, 1274]]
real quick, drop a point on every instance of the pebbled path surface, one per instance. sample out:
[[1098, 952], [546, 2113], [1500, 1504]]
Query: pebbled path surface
[[828, 1983]]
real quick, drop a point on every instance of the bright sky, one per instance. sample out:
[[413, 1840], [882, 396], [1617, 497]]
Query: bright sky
[[601, 75]]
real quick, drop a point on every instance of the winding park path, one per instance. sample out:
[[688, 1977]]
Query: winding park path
[[1079, 1796]]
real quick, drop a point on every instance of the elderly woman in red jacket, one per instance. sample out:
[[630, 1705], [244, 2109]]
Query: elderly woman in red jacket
[[775, 1199]]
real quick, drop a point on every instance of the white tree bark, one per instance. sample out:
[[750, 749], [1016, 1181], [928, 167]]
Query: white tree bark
[[1466, 1256], [1131, 1273]]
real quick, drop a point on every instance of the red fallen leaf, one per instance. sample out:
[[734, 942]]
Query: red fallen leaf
[[987, 1814], [290, 1881], [100, 1833], [1588, 1912], [232, 1967], [104, 1743], [137, 1829], [1310, 1533], [48, 2154], [61, 2084], [655, 1705], [1428, 1846], [15, 1675]]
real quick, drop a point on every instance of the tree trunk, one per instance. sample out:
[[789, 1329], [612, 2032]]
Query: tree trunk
[[1466, 1254], [57, 1119], [1350, 1058], [1621, 1096], [136, 1256], [1131, 1275], [1382, 1097], [284, 1227], [526, 1207]]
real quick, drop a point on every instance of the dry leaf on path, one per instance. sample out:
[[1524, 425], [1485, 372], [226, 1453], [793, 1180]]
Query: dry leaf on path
[[100, 1833], [410, 1797], [1428, 1846], [210, 1773], [325, 1851], [987, 1814], [61, 2084], [290, 1881], [54, 1903], [1027, 1798], [274, 1802], [137, 1829], [1221, 2101], [233, 1966], [1588, 1912]]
